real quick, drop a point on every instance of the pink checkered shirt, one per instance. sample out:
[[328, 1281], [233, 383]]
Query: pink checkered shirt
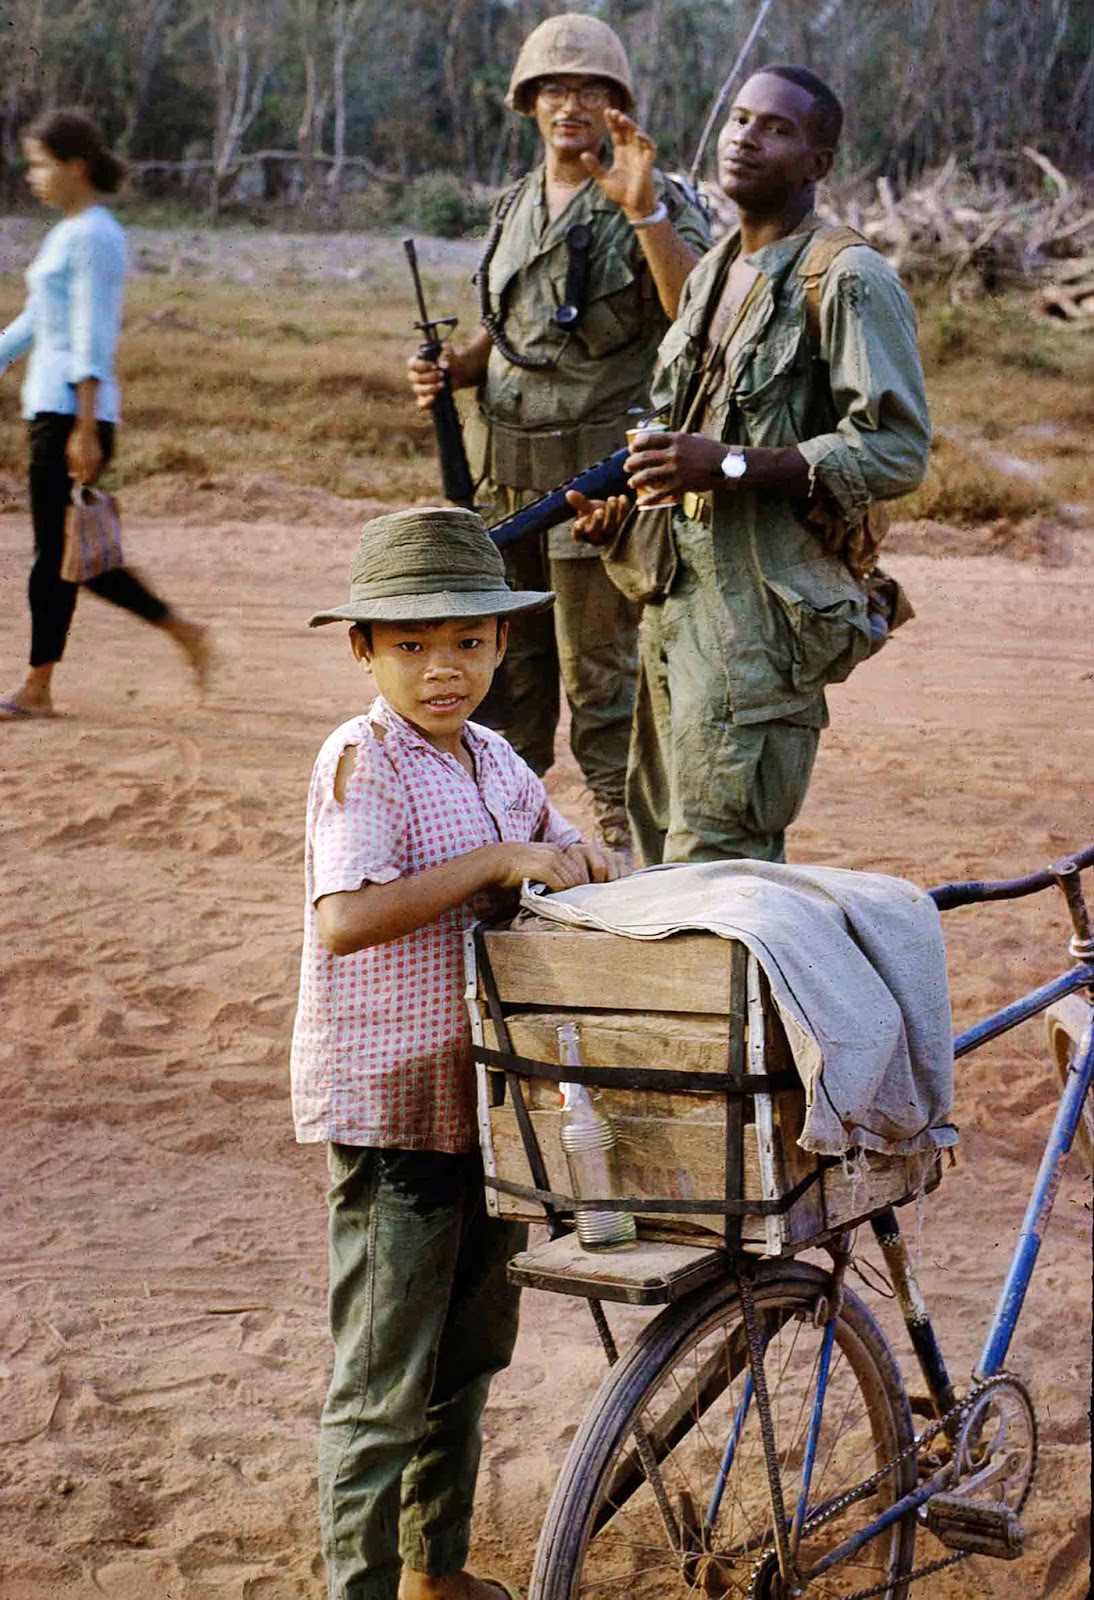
[[381, 1046]]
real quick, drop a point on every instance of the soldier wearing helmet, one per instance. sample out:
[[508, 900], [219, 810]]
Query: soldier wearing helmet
[[580, 279]]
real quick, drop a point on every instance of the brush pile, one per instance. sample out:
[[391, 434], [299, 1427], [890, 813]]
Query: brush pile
[[951, 229]]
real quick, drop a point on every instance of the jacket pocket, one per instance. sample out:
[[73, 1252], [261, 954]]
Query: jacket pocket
[[770, 388], [613, 309], [822, 640]]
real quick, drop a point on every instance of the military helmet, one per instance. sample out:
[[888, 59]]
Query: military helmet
[[567, 45]]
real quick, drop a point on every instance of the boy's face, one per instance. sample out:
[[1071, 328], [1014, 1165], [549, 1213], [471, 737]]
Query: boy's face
[[435, 674]]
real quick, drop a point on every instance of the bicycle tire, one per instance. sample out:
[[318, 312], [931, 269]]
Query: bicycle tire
[[582, 1535], [1066, 1021]]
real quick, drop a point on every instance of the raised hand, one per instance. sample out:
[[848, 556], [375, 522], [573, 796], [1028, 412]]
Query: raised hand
[[629, 180]]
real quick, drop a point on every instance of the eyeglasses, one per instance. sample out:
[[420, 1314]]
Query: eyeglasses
[[591, 96]]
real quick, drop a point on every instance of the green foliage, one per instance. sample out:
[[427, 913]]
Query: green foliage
[[440, 203], [425, 81], [1032, 357]]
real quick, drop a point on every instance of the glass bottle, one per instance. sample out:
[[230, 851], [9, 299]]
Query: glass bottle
[[588, 1139]]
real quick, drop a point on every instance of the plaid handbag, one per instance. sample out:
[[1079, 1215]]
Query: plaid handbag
[[93, 535]]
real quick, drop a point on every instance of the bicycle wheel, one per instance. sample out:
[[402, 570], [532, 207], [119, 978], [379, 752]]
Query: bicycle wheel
[[678, 1397], [1067, 1021]]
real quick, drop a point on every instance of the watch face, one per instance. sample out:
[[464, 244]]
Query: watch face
[[734, 464]]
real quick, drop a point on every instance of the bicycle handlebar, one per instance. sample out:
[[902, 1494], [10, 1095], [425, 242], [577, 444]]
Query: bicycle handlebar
[[948, 895]]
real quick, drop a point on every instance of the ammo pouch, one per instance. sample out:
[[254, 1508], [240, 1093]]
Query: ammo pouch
[[519, 458], [887, 602], [641, 559], [887, 606]]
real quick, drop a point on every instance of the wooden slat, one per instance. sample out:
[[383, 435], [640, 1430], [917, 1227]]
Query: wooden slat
[[580, 968], [887, 1180], [671, 1039], [645, 1273]]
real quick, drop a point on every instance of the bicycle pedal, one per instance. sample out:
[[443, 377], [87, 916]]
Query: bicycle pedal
[[983, 1527]]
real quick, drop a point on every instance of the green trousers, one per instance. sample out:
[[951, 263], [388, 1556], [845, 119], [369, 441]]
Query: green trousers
[[590, 637], [422, 1316], [701, 787]]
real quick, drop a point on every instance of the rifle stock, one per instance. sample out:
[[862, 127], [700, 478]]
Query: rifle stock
[[598, 482]]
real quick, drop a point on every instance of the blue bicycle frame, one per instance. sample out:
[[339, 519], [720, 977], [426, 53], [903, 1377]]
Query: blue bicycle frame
[[1064, 875]]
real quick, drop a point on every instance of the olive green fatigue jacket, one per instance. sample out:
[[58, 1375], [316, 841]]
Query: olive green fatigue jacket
[[535, 428], [795, 619]]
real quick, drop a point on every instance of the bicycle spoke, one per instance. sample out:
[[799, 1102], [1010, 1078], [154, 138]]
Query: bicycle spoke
[[620, 1543]]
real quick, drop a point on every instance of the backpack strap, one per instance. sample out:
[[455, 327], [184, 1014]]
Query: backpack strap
[[826, 244]]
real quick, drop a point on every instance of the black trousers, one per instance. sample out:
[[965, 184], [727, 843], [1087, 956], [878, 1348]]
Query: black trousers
[[52, 601]]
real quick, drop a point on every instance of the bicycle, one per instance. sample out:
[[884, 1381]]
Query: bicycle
[[757, 1441]]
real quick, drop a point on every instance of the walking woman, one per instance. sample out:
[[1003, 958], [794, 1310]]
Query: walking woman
[[70, 326]]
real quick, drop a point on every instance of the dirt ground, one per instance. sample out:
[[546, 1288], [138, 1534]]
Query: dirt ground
[[162, 1344]]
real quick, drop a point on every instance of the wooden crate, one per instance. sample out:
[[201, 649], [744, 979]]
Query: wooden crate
[[663, 1003]]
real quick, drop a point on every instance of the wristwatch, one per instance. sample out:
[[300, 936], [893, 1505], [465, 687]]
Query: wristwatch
[[734, 465]]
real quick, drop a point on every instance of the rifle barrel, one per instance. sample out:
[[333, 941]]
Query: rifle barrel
[[428, 327], [598, 482]]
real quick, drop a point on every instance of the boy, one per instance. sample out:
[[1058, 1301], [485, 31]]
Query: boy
[[417, 820]]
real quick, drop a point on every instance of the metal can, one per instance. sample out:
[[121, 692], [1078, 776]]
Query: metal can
[[650, 502]]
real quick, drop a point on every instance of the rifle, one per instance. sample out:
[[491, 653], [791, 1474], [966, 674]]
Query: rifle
[[597, 483], [456, 477]]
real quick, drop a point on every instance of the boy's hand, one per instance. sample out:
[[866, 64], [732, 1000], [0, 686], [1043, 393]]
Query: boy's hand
[[599, 865], [542, 863]]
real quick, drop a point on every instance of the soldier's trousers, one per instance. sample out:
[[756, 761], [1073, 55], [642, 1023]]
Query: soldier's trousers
[[590, 637], [699, 786]]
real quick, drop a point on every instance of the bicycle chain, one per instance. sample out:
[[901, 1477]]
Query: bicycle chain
[[868, 1485], [911, 1577]]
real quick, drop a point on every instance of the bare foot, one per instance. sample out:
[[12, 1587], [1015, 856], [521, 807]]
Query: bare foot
[[29, 700], [193, 637], [450, 1586]]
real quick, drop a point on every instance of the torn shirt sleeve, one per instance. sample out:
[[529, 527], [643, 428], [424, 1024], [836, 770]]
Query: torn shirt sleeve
[[878, 448], [361, 839]]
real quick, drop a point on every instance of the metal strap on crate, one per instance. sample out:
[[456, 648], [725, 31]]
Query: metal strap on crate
[[532, 1152], [723, 1208], [735, 1109], [737, 1084]]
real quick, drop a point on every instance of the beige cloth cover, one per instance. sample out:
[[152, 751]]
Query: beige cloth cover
[[857, 969]]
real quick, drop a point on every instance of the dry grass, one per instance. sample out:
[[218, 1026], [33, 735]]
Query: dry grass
[[1012, 402], [303, 384]]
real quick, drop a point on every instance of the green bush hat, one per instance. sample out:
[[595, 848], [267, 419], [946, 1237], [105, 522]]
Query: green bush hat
[[427, 565]]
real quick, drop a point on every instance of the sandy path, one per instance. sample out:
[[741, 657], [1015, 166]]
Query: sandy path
[[162, 1347]]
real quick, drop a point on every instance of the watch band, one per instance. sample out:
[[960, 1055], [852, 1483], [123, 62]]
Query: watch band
[[660, 213]]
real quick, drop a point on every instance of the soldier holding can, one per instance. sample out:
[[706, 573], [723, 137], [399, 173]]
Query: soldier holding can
[[580, 279], [795, 399]]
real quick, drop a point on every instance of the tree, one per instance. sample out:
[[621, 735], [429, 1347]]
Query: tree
[[241, 37]]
